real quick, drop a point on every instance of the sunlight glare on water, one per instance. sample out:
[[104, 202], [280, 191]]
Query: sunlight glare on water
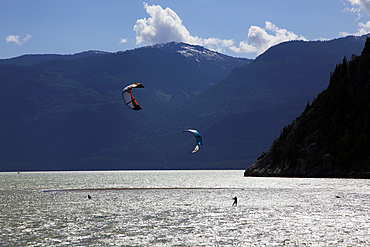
[[181, 208]]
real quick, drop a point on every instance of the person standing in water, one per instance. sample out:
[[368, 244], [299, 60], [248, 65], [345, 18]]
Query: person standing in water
[[235, 201]]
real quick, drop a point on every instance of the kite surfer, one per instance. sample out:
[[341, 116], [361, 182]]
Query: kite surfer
[[235, 201]]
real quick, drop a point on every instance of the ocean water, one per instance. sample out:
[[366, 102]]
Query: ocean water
[[181, 208]]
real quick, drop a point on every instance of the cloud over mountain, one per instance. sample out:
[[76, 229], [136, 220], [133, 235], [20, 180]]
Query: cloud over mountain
[[364, 28], [164, 25], [263, 38]]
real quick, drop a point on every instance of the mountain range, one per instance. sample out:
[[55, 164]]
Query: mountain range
[[65, 112]]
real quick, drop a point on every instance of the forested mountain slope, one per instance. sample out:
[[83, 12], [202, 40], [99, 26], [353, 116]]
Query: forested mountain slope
[[331, 138]]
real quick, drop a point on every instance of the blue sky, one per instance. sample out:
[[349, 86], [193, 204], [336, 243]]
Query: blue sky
[[241, 28]]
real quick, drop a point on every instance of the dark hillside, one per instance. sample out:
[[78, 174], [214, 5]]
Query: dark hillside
[[331, 138]]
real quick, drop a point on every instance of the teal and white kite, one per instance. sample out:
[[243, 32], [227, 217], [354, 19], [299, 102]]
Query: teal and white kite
[[198, 138]]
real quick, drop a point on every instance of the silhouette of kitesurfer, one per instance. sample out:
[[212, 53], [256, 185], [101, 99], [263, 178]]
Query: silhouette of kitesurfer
[[235, 201], [88, 196]]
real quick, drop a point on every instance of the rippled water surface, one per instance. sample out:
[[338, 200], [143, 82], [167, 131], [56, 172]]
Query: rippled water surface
[[181, 208]]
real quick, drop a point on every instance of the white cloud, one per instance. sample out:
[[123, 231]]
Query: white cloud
[[360, 5], [123, 41], [27, 37], [164, 25], [322, 39], [215, 43], [363, 29], [263, 38], [244, 47], [12, 38], [15, 39]]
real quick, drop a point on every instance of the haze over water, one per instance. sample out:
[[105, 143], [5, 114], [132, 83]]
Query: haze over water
[[180, 208]]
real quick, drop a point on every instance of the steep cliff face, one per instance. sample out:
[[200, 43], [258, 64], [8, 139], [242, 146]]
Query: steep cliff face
[[331, 138]]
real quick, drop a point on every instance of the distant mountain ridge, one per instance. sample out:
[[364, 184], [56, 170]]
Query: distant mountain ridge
[[295, 68], [195, 52], [68, 114], [32, 59]]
